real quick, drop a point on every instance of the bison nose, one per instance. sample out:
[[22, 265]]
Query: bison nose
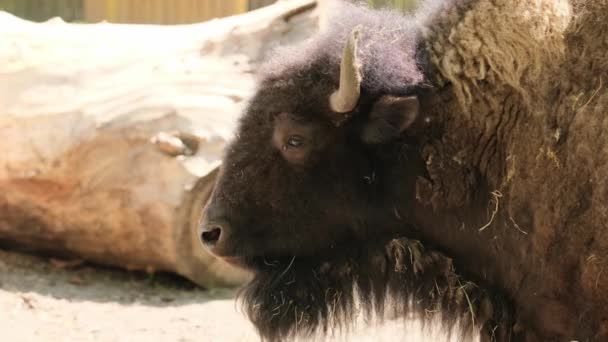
[[214, 235], [211, 235], [215, 229]]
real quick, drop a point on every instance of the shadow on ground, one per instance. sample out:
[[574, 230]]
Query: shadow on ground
[[48, 300], [76, 281]]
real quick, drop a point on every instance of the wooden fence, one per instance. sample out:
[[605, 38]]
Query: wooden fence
[[146, 11], [41, 10], [130, 11], [161, 11]]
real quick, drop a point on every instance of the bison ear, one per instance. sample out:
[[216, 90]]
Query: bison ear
[[390, 116]]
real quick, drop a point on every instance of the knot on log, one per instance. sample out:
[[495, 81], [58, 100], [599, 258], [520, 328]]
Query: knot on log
[[176, 143]]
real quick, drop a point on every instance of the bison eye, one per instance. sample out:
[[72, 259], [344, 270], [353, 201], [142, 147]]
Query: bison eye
[[295, 141]]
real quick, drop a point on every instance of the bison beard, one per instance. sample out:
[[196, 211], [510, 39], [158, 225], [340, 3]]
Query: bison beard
[[301, 296]]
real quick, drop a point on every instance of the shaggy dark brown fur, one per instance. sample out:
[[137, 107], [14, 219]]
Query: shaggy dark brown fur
[[502, 172]]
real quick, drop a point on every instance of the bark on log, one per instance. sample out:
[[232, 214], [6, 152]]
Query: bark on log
[[111, 134]]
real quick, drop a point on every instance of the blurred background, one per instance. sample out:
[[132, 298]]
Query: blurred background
[[166, 12]]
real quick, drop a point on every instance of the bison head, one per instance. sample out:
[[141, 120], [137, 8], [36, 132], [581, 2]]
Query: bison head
[[322, 157], [321, 173]]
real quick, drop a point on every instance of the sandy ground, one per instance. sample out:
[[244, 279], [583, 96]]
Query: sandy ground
[[43, 299]]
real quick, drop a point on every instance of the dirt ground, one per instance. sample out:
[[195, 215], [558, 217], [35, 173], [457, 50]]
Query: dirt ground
[[43, 299]]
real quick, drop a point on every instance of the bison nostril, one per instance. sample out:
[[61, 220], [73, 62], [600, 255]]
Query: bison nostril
[[214, 232], [211, 235]]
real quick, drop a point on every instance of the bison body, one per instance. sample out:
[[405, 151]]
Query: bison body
[[445, 161]]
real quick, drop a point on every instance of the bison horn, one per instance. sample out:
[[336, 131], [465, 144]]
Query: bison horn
[[346, 97]]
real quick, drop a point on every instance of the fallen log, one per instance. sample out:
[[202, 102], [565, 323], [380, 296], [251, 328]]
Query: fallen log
[[111, 134]]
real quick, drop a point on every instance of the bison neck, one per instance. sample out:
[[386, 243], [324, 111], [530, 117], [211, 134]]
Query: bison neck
[[517, 198], [517, 195], [479, 207]]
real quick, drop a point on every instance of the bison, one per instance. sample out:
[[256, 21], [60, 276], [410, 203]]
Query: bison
[[449, 164]]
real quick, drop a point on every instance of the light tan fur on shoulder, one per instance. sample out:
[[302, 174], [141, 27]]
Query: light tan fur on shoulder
[[497, 42]]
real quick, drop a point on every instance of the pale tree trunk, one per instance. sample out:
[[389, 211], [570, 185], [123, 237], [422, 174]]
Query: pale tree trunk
[[111, 134]]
